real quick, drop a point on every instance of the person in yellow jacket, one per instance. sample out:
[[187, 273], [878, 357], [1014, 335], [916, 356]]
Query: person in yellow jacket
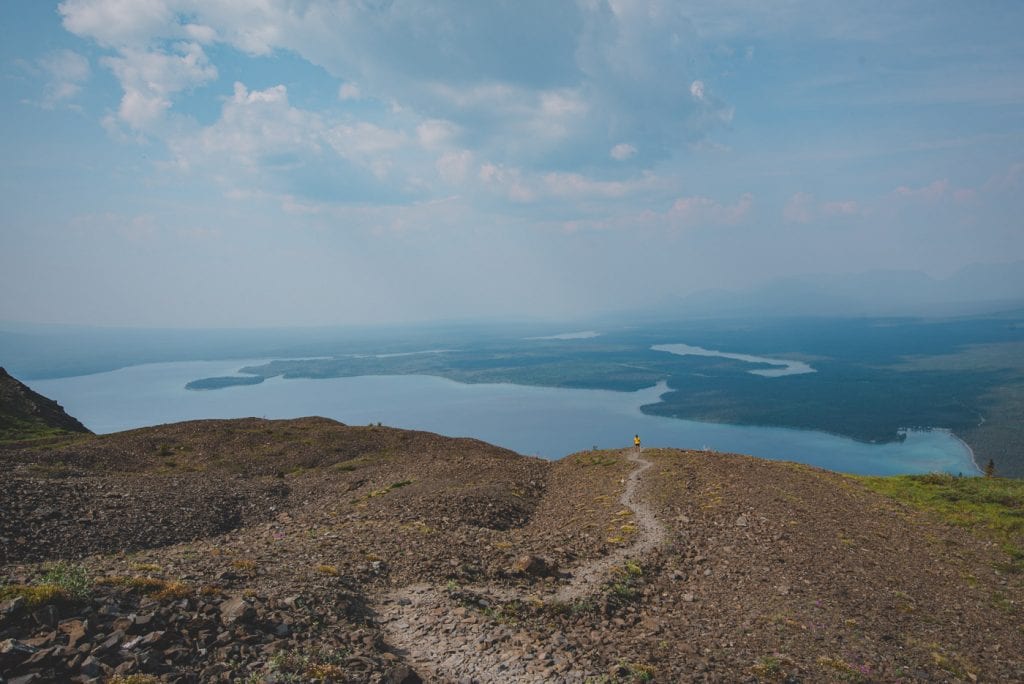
[[636, 442]]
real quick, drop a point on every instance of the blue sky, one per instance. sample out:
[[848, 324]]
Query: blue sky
[[225, 163]]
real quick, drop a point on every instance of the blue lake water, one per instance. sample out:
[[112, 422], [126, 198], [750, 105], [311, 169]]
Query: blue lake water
[[786, 367], [548, 422]]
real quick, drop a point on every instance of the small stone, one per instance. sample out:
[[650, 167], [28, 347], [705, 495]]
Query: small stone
[[688, 598], [111, 642], [125, 668], [402, 674], [14, 647], [11, 606], [151, 638], [236, 609], [650, 625], [41, 655], [534, 566], [90, 667], [741, 521], [75, 629], [213, 671], [47, 616], [26, 679]]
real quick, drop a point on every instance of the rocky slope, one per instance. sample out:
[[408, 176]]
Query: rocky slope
[[25, 414], [306, 550]]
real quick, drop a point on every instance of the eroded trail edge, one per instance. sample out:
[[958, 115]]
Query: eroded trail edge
[[444, 641]]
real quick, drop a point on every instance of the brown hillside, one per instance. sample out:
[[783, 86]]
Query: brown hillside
[[25, 414], [307, 550]]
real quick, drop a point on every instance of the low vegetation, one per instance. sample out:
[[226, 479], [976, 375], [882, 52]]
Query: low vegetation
[[993, 506], [61, 582], [151, 586]]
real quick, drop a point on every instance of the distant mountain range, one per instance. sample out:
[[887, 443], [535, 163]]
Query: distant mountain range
[[976, 289]]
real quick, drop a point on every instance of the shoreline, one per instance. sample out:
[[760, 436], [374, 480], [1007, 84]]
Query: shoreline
[[967, 446]]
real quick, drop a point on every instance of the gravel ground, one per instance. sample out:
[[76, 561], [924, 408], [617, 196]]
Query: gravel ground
[[307, 550]]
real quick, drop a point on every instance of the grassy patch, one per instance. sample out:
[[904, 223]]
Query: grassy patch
[[21, 430], [145, 567], [768, 667], [598, 459], [840, 670], [34, 594], [72, 579], [625, 586], [628, 673], [49, 470], [157, 588], [580, 606], [993, 506], [390, 487], [317, 664], [62, 582]]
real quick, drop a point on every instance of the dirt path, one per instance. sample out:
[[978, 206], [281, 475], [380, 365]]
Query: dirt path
[[444, 641]]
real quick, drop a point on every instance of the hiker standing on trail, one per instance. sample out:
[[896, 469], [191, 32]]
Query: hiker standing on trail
[[636, 442]]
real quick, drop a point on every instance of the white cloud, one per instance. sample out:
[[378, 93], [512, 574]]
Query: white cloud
[[536, 119], [931, 192], [575, 185], [117, 23], [508, 180], [804, 207], [67, 71], [361, 139], [840, 208], [629, 78], [522, 129], [685, 213], [150, 78], [453, 167], [264, 146], [622, 151], [367, 145], [799, 208], [256, 128], [200, 33], [435, 133], [699, 210], [349, 91]]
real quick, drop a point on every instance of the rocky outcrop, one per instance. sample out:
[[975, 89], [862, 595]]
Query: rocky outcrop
[[25, 414]]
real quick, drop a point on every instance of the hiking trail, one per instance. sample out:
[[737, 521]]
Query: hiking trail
[[444, 641]]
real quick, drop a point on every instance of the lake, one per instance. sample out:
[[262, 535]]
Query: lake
[[786, 367], [543, 421]]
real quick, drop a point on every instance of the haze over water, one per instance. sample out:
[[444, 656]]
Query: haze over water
[[543, 421]]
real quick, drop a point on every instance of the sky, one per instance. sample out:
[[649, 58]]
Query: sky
[[243, 163]]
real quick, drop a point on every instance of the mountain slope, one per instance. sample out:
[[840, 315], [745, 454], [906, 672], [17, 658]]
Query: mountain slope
[[25, 414], [310, 550]]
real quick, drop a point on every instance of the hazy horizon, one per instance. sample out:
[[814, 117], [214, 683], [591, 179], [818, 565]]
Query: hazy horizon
[[170, 163]]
